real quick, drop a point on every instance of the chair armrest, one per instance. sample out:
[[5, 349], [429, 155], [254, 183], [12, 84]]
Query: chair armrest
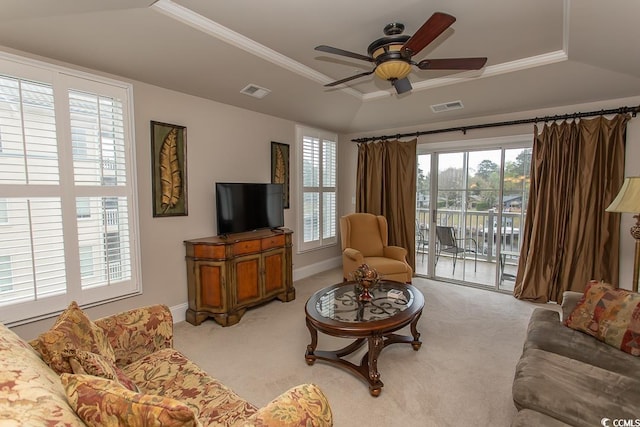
[[304, 405], [354, 254], [475, 243], [136, 333], [395, 252], [569, 302]]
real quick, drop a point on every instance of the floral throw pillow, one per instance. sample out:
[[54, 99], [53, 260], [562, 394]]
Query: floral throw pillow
[[72, 331], [103, 402], [85, 362], [610, 315]]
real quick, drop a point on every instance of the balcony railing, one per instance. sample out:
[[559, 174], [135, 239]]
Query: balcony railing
[[482, 226]]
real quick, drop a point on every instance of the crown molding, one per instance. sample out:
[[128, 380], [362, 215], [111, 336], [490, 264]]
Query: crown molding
[[207, 26]]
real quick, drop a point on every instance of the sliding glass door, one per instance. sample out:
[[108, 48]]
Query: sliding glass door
[[469, 231]]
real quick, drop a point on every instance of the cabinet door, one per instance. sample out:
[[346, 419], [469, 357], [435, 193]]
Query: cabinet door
[[247, 278], [274, 272], [210, 276]]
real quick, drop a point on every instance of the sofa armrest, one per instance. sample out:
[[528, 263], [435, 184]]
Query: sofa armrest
[[569, 302], [136, 333], [303, 405], [395, 252]]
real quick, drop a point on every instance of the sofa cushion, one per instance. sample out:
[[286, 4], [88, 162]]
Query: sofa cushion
[[546, 332], [169, 373], [102, 402], [30, 392], [302, 405], [610, 315], [571, 391], [87, 363], [72, 331], [581, 318], [136, 333]]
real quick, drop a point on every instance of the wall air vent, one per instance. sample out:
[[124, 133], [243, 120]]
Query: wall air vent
[[447, 106], [255, 91]]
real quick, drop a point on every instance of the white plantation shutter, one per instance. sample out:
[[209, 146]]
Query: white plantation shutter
[[329, 203], [27, 133], [318, 213], [67, 229], [97, 138]]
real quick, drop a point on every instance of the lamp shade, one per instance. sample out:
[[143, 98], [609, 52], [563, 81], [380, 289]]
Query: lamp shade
[[393, 70], [628, 199]]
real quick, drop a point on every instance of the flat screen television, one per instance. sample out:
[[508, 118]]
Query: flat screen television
[[244, 207]]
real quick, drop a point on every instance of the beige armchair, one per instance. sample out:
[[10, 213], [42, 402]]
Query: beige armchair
[[365, 241]]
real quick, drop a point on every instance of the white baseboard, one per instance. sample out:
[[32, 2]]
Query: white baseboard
[[319, 267], [179, 312]]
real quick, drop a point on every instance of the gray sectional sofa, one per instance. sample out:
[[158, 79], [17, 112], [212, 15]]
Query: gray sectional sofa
[[565, 377]]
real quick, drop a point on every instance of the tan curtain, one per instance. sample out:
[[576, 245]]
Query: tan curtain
[[387, 186], [577, 169]]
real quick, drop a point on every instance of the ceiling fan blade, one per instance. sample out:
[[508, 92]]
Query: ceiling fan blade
[[429, 31], [452, 64], [402, 85], [337, 82], [336, 51]]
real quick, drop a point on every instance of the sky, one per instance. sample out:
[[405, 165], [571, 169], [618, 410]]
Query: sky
[[447, 160]]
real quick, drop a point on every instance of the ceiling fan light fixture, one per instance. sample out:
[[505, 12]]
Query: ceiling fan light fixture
[[393, 70], [393, 53]]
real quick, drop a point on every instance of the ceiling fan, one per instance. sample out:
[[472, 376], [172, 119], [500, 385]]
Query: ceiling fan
[[392, 54]]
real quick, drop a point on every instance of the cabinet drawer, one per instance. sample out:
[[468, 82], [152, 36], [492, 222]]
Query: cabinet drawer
[[273, 242], [246, 247], [209, 251]]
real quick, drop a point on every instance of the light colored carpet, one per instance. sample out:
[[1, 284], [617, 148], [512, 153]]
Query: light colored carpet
[[462, 375]]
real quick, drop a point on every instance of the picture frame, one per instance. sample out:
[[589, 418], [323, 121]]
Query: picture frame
[[169, 169], [280, 168]]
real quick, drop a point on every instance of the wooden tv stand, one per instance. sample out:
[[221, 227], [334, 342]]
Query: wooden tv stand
[[228, 274]]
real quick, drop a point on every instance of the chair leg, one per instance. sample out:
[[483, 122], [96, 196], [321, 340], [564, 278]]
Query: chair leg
[[455, 257]]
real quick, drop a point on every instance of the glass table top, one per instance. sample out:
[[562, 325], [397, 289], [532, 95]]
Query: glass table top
[[342, 304]]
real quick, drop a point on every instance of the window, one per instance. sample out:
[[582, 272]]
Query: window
[[86, 261], [67, 155], [83, 208], [318, 175]]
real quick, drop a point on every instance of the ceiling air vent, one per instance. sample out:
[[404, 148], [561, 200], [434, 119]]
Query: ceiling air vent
[[255, 91], [447, 106]]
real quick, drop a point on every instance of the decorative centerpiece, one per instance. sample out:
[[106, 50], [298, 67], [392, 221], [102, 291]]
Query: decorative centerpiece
[[365, 278]]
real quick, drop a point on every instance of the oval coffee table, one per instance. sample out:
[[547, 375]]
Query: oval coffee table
[[336, 311]]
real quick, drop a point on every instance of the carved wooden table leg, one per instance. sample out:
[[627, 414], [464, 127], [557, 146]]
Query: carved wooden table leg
[[309, 356], [376, 344], [416, 344]]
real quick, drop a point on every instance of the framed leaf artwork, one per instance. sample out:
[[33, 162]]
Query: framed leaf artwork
[[280, 168], [169, 169]]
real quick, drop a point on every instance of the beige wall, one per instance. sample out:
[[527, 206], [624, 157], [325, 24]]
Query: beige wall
[[224, 143], [348, 157]]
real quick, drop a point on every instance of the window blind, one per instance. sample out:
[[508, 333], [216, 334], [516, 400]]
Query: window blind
[[67, 225], [318, 191]]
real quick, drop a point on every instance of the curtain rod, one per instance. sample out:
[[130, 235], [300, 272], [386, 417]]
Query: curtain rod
[[464, 129]]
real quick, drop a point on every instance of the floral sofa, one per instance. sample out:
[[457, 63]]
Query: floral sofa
[[122, 370]]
